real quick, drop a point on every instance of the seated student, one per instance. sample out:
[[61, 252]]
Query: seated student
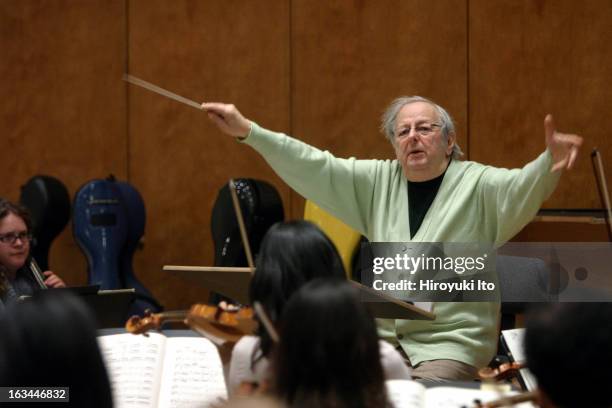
[[290, 255], [328, 354], [15, 277], [569, 350], [49, 340]]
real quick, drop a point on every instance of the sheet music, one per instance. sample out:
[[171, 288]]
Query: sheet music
[[405, 394], [514, 340], [410, 394], [133, 364], [193, 374], [451, 397]]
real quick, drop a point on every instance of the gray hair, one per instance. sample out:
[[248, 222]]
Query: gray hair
[[387, 125]]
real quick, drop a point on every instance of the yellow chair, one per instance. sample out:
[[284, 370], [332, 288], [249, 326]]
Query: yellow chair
[[344, 237]]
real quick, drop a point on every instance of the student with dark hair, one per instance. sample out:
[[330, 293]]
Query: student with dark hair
[[569, 350], [328, 354], [291, 254], [50, 341], [15, 236]]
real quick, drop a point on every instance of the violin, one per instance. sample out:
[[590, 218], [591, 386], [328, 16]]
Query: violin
[[229, 323], [503, 372]]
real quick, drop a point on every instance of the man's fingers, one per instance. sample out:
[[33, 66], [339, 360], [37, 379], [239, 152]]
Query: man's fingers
[[214, 107], [217, 119], [549, 128], [227, 118], [559, 166], [572, 158], [221, 109], [573, 139]]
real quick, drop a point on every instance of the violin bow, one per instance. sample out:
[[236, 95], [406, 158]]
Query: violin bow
[[265, 320], [37, 273], [602, 187], [243, 232], [259, 310]]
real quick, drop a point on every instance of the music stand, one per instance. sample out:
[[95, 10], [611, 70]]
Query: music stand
[[234, 283], [109, 307]]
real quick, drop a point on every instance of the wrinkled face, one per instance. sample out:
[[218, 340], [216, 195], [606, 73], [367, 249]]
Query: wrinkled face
[[13, 256], [419, 144]]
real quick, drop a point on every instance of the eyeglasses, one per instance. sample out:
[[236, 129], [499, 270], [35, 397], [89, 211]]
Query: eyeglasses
[[424, 129], [12, 237]]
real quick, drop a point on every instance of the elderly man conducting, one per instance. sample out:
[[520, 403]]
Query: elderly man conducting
[[426, 195]]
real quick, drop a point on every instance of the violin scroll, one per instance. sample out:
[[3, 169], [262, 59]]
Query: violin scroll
[[141, 325]]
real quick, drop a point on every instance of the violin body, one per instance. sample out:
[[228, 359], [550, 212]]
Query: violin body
[[229, 324]]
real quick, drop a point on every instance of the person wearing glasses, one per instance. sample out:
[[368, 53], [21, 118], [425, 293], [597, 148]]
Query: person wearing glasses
[[426, 195], [16, 279]]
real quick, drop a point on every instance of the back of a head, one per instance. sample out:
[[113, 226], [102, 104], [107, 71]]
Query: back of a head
[[328, 354], [291, 254], [568, 349], [50, 340]]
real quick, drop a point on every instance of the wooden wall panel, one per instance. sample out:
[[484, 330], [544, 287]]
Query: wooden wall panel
[[350, 59], [321, 71], [532, 57], [205, 50], [63, 110]]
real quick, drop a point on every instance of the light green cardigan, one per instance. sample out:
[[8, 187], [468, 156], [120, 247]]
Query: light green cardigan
[[475, 203]]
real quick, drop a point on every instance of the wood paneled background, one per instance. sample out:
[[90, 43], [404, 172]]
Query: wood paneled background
[[321, 71]]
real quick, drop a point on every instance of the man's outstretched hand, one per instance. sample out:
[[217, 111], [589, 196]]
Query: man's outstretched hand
[[228, 119], [562, 146]]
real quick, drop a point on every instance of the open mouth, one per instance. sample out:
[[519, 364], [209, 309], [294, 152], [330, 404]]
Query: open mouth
[[415, 153]]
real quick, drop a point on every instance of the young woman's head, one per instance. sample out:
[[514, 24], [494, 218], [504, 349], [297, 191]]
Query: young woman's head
[[328, 355], [14, 236], [291, 254], [50, 340], [562, 338]]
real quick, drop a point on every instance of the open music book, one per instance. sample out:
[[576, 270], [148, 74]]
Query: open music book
[[411, 394], [160, 371]]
